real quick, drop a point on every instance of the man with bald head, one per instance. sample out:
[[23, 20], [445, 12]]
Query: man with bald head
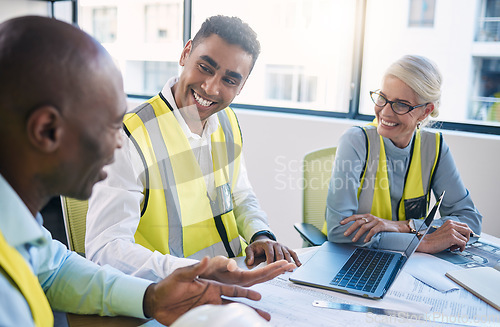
[[62, 105]]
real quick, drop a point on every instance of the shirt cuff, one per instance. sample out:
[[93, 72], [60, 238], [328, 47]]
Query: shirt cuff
[[264, 233], [128, 296]]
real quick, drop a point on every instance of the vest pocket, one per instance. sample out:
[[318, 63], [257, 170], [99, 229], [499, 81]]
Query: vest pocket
[[416, 208], [223, 202]]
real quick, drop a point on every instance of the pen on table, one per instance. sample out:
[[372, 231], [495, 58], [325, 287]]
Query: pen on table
[[472, 234]]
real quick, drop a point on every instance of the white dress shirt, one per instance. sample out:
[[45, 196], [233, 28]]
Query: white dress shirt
[[115, 206]]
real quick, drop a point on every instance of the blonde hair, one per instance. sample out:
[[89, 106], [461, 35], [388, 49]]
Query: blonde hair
[[422, 76]]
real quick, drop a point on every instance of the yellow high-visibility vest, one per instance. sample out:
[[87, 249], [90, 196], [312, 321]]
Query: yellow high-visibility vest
[[20, 275], [374, 192], [177, 215]]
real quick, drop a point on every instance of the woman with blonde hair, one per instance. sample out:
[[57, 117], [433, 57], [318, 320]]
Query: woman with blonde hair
[[384, 172]]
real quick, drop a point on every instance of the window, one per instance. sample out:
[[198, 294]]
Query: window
[[489, 22], [307, 53], [422, 13], [486, 102], [289, 83], [104, 24], [485, 97], [148, 77], [158, 27], [319, 57], [11, 9], [279, 83], [461, 59], [156, 73]]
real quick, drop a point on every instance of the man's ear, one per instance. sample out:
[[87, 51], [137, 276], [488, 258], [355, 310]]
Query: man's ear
[[44, 128], [185, 52]]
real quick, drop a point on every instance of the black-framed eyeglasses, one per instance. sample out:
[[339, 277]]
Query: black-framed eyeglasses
[[399, 108]]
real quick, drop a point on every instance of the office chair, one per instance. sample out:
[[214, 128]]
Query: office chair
[[317, 169], [75, 216]]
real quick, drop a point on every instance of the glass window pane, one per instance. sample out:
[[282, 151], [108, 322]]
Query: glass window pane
[[460, 58], [149, 76], [307, 50], [279, 82], [104, 24], [492, 8], [11, 9], [489, 21], [422, 13], [158, 27], [486, 102]]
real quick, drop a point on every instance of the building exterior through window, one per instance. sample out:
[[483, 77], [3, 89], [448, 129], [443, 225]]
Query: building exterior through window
[[309, 47]]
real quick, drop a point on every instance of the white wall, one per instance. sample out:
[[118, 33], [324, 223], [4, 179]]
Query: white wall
[[275, 143]]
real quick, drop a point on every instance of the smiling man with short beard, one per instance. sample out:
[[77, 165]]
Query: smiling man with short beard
[[179, 186]]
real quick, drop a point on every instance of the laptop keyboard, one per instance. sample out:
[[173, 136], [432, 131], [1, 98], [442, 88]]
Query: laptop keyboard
[[364, 270]]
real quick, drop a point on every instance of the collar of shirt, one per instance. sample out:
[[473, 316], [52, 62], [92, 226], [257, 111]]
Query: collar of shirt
[[393, 151], [18, 225], [212, 122]]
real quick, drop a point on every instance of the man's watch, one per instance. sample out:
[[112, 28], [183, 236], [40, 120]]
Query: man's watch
[[263, 233], [411, 226]]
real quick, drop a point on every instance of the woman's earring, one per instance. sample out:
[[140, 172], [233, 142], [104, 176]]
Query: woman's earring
[[419, 124]]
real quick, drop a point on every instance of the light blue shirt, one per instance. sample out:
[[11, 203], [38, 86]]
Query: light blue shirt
[[70, 282], [342, 200]]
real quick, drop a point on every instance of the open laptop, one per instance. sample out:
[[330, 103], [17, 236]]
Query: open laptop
[[357, 270]]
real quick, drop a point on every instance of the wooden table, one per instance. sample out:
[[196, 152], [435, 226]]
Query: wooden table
[[75, 320]]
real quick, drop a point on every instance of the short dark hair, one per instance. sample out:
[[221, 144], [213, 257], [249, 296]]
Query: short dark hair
[[232, 30]]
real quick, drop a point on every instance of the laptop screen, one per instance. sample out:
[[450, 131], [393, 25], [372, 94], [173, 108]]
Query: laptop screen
[[415, 241]]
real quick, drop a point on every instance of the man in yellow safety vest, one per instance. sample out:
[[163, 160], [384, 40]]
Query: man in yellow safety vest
[[179, 187]]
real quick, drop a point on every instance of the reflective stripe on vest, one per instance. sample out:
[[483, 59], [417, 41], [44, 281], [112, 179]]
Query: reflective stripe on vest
[[374, 191], [21, 277], [177, 216]]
